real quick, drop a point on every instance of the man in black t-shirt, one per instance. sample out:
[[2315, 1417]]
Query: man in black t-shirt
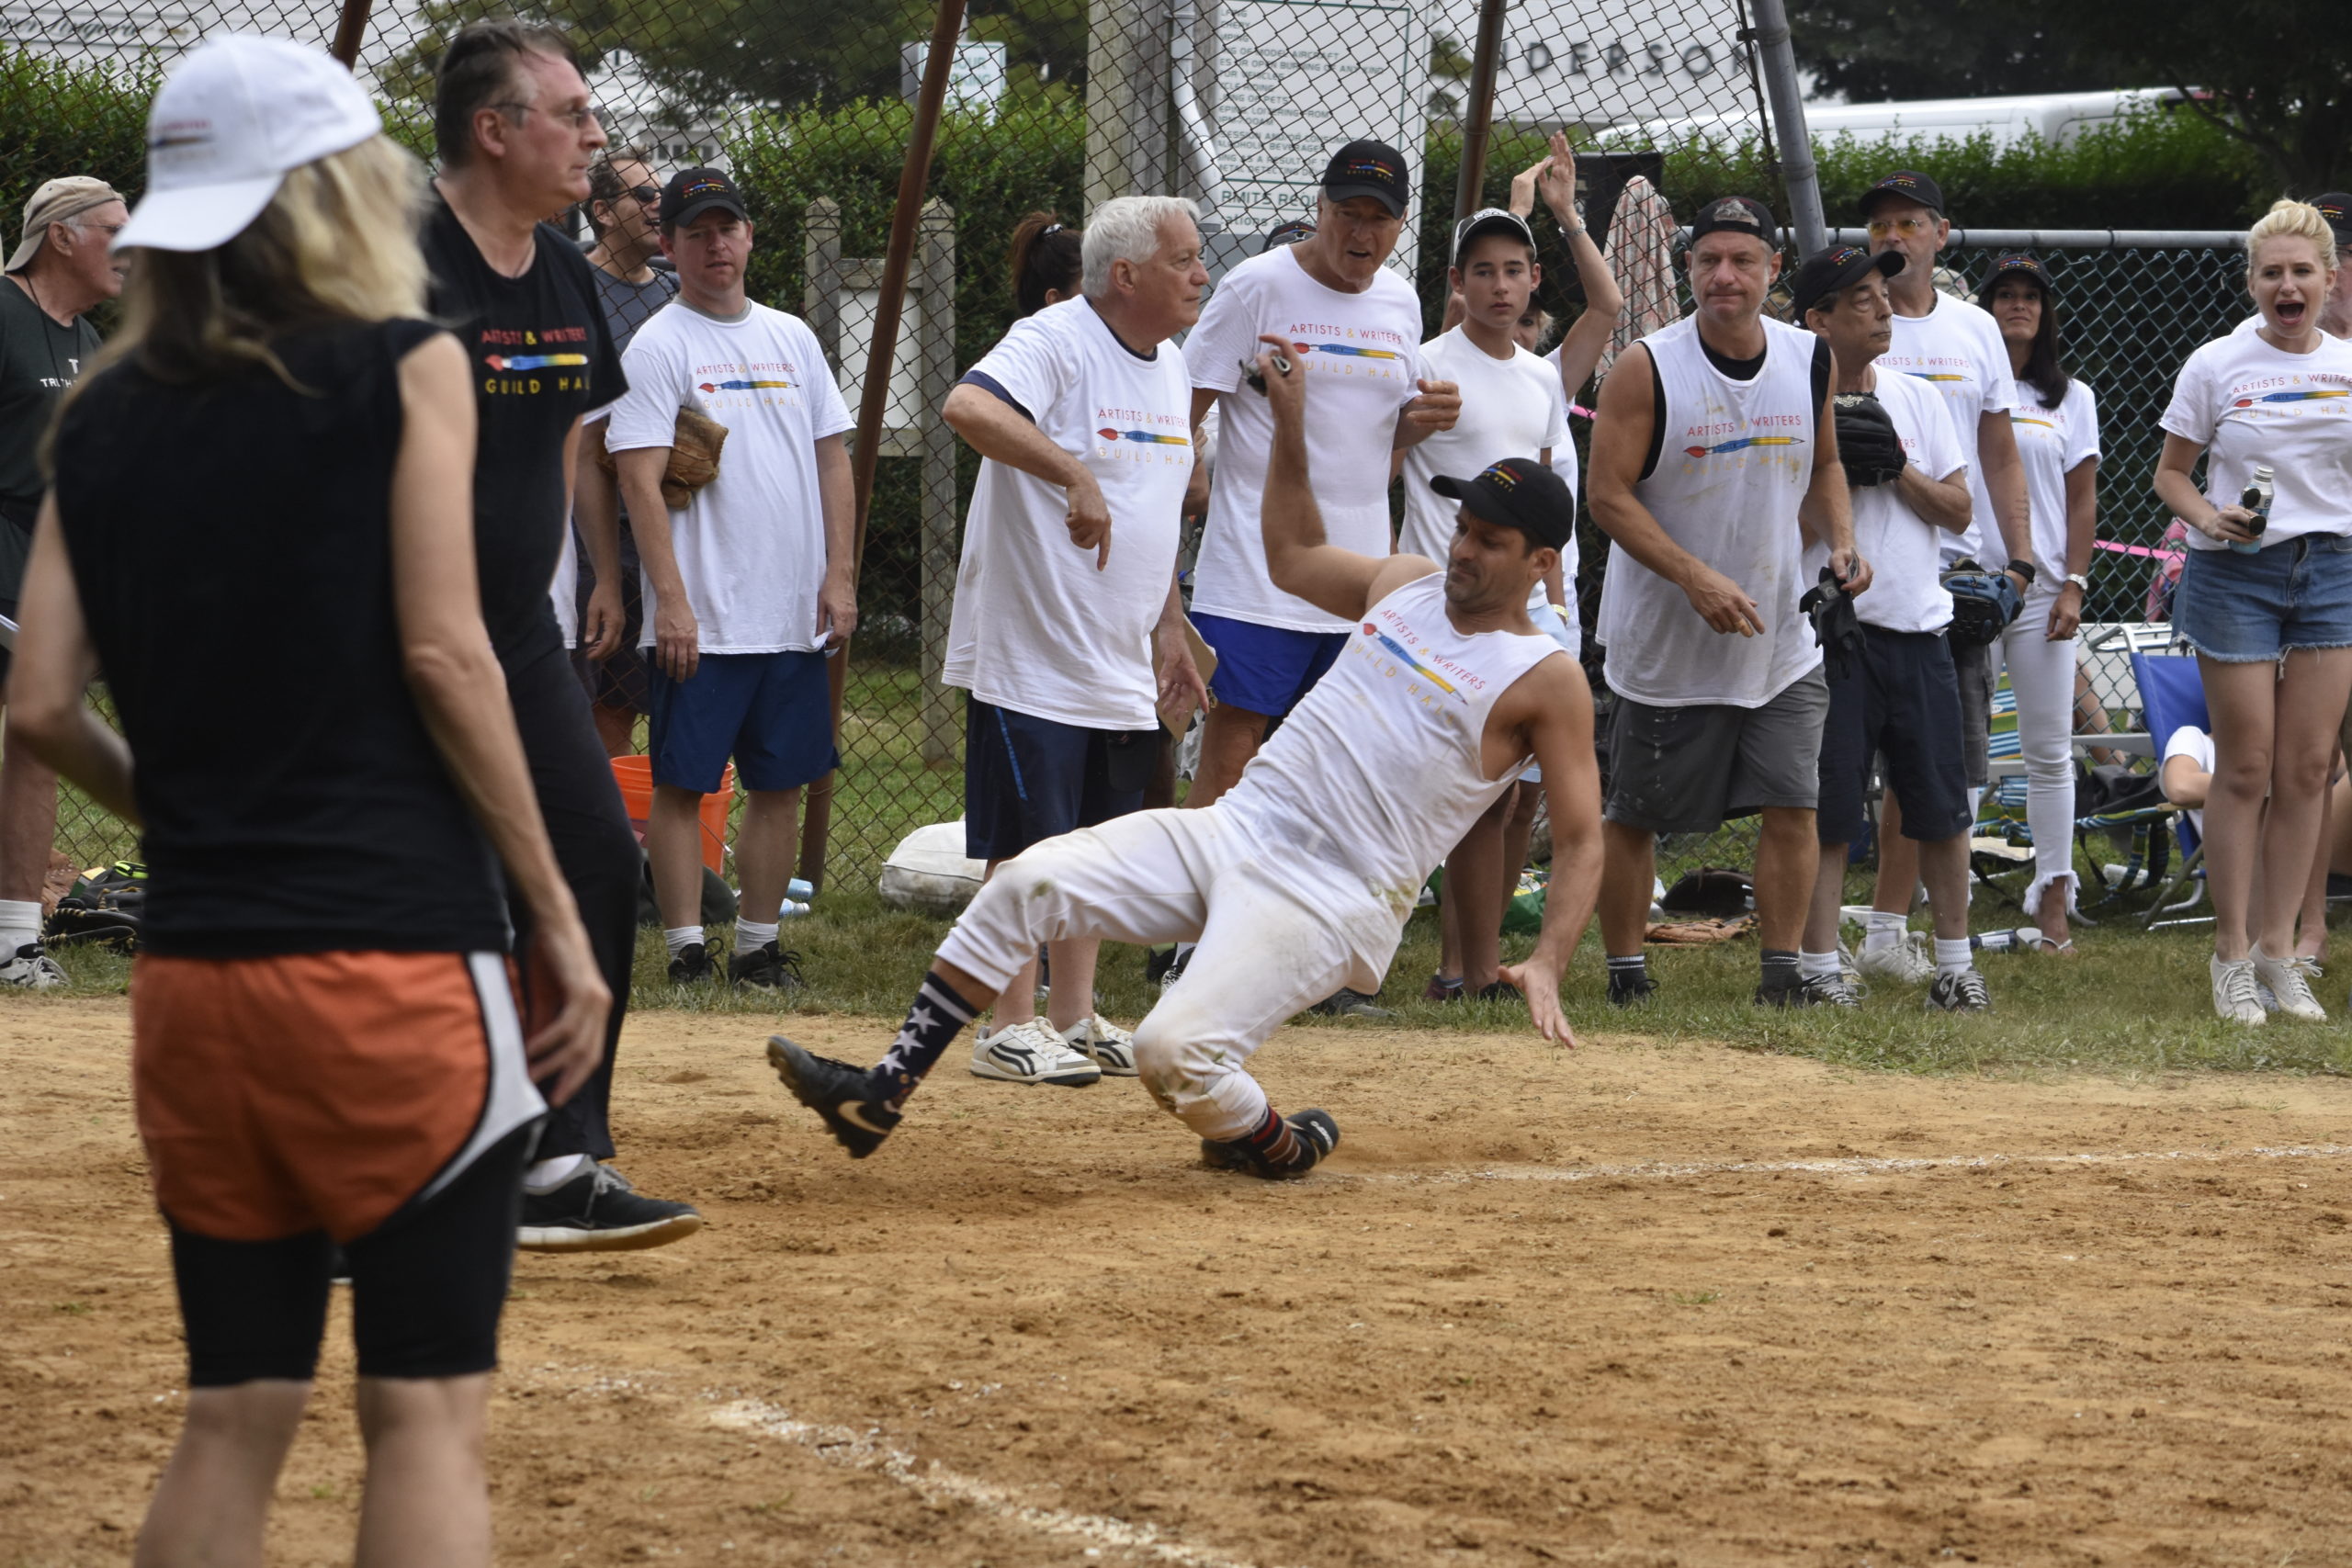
[[515, 135]]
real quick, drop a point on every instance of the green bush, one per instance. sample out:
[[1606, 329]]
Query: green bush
[[55, 119]]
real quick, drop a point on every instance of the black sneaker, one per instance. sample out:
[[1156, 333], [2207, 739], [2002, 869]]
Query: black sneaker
[[1499, 991], [598, 1210], [1810, 991], [1315, 1133], [1962, 992], [769, 968], [855, 1112], [1165, 970], [692, 963], [1630, 989], [1344, 1003], [1440, 990]]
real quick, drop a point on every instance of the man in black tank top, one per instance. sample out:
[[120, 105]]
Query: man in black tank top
[[515, 136]]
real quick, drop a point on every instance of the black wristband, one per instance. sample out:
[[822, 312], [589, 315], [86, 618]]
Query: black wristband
[[2024, 569]]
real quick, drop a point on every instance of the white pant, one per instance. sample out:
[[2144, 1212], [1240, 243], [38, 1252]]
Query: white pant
[[1277, 933], [2041, 673]]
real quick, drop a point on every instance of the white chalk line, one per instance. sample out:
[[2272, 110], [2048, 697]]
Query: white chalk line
[[936, 1483], [1861, 1164]]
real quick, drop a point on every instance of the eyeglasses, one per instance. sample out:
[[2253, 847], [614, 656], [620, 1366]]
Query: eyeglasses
[[578, 117], [108, 230], [647, 195], [1906, 227]]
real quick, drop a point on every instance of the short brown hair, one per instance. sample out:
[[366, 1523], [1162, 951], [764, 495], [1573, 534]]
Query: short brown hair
[[478, 70], [604, 180]]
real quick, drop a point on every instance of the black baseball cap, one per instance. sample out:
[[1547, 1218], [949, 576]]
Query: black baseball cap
[[2023, 264], [1517, 493], [1738, 215], [1907, 183], [1369, 168], [1490, 221], [1829, 272], [692, 192], [1288, 233], [2336, 208]]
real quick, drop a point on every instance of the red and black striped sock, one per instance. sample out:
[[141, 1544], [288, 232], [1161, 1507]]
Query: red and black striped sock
[[1277, 1144]]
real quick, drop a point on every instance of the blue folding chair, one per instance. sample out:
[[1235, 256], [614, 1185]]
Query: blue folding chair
[[2172, 695]]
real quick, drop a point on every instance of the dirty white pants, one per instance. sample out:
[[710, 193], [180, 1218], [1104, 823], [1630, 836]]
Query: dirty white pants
[[1277, 933]]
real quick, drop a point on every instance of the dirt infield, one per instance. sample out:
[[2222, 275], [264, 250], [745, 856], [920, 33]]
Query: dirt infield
[[1643, 1305]]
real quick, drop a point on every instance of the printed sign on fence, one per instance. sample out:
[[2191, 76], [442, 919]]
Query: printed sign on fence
[[1603, 62]]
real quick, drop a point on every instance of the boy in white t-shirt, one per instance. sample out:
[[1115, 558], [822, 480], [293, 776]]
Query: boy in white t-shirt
[[747, 583]]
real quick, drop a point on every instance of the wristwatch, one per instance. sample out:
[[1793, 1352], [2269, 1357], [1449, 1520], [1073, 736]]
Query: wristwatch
[[2024, 569], [2079, 580]]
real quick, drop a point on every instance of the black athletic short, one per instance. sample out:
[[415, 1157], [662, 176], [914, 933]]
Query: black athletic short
[[1902, 697]]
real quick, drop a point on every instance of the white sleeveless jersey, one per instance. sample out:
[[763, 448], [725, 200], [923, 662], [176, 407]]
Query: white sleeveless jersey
[[1733, 462], [1377, 774]]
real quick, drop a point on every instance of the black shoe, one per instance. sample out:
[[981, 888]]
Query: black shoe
[[1440, 990], [769, 968], [1630, 989], [1499, 991], [1344, 1003], [1157, 963], [855, 1112], [1810, 991], [692, 963], [1963, 992], [598, 1210], [1313, 1131]]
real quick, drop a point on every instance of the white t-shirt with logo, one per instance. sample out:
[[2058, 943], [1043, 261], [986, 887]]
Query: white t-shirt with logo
[[1511, 407], [2248, 403], [1906, 551], [751, 544], [1957, 349], [2052, 443], [1036, 627], [1361, 355], [2196, 746]]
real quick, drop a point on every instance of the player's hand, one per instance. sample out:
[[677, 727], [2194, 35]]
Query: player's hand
[[1557, 181], [836, 608], [1721, 604], [1539, 981], [1436, 409], [677, 637], [566, 1005], [1089, 520], [2066, 613], [1286, 389], [1182, 693], [2230, 525], [601, 624], [1853, 572], [1522, 187]]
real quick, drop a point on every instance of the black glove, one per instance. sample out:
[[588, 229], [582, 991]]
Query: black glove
[[1836, 627], [1982, 604], [1866, 445]]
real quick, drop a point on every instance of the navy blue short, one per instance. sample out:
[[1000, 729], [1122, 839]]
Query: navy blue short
[[1902, 698], [770, 712], [1028, 779], [1265, 669]]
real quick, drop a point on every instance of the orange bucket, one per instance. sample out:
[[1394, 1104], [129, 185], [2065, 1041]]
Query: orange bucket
[[634, 775]]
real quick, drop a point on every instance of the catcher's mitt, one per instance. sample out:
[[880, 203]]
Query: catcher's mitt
[[695, 445], [1982, 604], [1868, 448]]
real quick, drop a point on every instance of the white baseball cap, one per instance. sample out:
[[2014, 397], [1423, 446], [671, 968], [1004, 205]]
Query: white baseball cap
[[227, 124]]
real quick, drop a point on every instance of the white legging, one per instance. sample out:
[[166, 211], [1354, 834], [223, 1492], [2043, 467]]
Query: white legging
[[2041, 673]]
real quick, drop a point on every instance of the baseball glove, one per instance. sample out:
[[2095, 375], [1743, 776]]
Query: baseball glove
[[1868, 448], [1982, 604], [1836, 627], [695, 445]]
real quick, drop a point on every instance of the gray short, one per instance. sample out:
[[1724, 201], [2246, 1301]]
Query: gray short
[[1685, 770], [1973, 666]]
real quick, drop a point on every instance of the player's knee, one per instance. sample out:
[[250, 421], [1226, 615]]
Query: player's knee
[[1174, 1067]]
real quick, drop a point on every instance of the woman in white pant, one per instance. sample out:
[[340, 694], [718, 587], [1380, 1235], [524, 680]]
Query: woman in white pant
[[2056, 421]]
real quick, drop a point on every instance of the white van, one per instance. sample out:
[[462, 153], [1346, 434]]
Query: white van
[[2056, 117]]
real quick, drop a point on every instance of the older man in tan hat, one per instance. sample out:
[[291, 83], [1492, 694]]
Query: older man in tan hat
[[61, 267]]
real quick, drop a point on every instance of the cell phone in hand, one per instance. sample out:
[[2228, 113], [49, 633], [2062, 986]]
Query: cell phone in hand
[[1257, 381]]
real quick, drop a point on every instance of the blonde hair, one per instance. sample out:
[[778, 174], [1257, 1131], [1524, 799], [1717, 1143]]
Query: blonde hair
[[336, 243], [2290, 220]]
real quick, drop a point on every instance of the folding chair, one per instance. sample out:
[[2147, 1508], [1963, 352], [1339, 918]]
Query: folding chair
[[2172, 694]]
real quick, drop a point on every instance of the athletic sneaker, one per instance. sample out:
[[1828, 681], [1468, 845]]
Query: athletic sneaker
[[1810, 991], [598, 1210], [1316, 1135], [32, 970], [1630, 989], [691, 966], [1170, 971], [1440, 990], [2233, 991], [1031, 1052], [2288, 986], [1899, 960], [1499, 991], [1963, 990], [851, 1105], [1111, 1048], [1344, 1003], [766, 968]]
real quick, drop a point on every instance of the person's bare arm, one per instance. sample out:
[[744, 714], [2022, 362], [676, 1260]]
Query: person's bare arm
[[2004, 471], [996, 430], [1826, 513], [1436, 409], [2184, 783], [1182, 693], [677, 635], [2176, 486], [597, 508], [1941, 503], [1299, 559], [2082, 534], [1604, 303], [1196, 486], [837, 491], [1556, 709], [53, 665]]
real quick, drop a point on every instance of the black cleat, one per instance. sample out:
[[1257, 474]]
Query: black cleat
[[1811, 991], [1314, 1133], [857, 1115], [598, 1210], [1499, 991], [1345, 1003], [1630, 990], [692, 965], [768, 968]]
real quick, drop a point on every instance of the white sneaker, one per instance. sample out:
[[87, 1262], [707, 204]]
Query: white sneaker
[[1113, 1049], [1031, 1052], [1899, 960], [32, 970], [2290, 988], [2233, 991]]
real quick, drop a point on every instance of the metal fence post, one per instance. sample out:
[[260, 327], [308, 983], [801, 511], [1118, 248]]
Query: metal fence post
[[1477, 125], [1797, 172], [941, 722]]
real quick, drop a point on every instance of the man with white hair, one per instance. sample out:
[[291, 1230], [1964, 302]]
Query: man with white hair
[[1066, 599]]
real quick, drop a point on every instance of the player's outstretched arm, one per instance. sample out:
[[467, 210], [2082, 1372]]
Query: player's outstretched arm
[[54, 664], [1298, 556], [1558, 705]]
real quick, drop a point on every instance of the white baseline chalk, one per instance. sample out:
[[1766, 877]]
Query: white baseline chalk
[[1861, 1164]]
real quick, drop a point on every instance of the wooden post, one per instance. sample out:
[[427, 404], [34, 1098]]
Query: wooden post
[[942, 716], [348, 30], [1477, 125]]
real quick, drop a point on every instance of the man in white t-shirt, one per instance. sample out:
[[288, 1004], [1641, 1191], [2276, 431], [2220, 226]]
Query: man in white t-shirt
[[746, 585], [1894, 692], [1066, 600]]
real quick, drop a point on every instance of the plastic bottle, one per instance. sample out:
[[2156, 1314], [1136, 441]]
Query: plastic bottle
[[798, 888], [2257, 499], [789, 908]]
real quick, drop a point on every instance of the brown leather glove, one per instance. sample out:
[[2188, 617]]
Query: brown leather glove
[[695, 446]]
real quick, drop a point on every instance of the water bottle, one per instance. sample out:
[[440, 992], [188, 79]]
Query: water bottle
[[2256, 499], [798, 888], [789, 908]]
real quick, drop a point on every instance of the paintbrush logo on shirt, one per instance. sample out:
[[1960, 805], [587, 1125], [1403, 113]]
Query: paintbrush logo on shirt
[[1107, 434], [1741, 444]]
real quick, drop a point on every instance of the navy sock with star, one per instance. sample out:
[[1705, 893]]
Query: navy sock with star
[[937, 1016]]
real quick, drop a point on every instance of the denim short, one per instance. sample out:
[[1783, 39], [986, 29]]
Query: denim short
[[2257, 609]]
